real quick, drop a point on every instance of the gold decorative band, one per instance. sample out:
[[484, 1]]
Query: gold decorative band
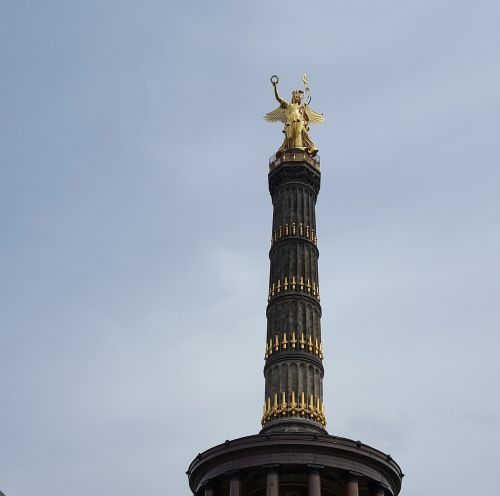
[[294, 284], [290, 342], [294, 230], [314, 410]]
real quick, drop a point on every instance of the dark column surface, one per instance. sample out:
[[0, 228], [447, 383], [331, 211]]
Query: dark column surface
[[351, 487], [294, 352], [234, 484], [314, 481], [209, 491], [377, 490], [272, 485]]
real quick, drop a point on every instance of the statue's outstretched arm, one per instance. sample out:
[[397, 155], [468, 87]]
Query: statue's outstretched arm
[[275, 86]]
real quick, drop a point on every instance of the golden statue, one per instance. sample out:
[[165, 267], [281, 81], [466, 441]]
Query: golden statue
[[296, 116]]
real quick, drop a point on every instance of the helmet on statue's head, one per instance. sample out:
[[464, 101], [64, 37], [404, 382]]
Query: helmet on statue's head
[[297, 96]]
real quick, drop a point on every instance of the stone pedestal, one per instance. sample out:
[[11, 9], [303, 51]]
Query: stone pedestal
[[299, 463]]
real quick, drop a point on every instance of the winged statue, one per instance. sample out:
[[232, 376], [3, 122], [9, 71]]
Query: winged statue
[[296, 116]]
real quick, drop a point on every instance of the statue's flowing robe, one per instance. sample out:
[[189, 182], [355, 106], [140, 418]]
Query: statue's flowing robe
[[296, 118]]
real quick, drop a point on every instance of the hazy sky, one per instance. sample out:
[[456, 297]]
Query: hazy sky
[[135, 224]]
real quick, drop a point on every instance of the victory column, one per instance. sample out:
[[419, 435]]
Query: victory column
[[293, 455]]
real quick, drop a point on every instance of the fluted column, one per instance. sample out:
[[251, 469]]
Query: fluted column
[[234, 484], [272, 487], [314, 480], [293, 369], [209, 491]]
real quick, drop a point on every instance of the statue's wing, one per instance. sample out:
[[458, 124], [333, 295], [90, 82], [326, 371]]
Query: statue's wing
[[313, 117], [277, 115]]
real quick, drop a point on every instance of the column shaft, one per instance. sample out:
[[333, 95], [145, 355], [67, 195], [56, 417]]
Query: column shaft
[[314, 483], [352, 488], [272, 483], [234, 485], [294, 370]]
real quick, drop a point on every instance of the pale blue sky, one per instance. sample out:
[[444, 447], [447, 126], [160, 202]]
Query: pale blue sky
[[135, 224]]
